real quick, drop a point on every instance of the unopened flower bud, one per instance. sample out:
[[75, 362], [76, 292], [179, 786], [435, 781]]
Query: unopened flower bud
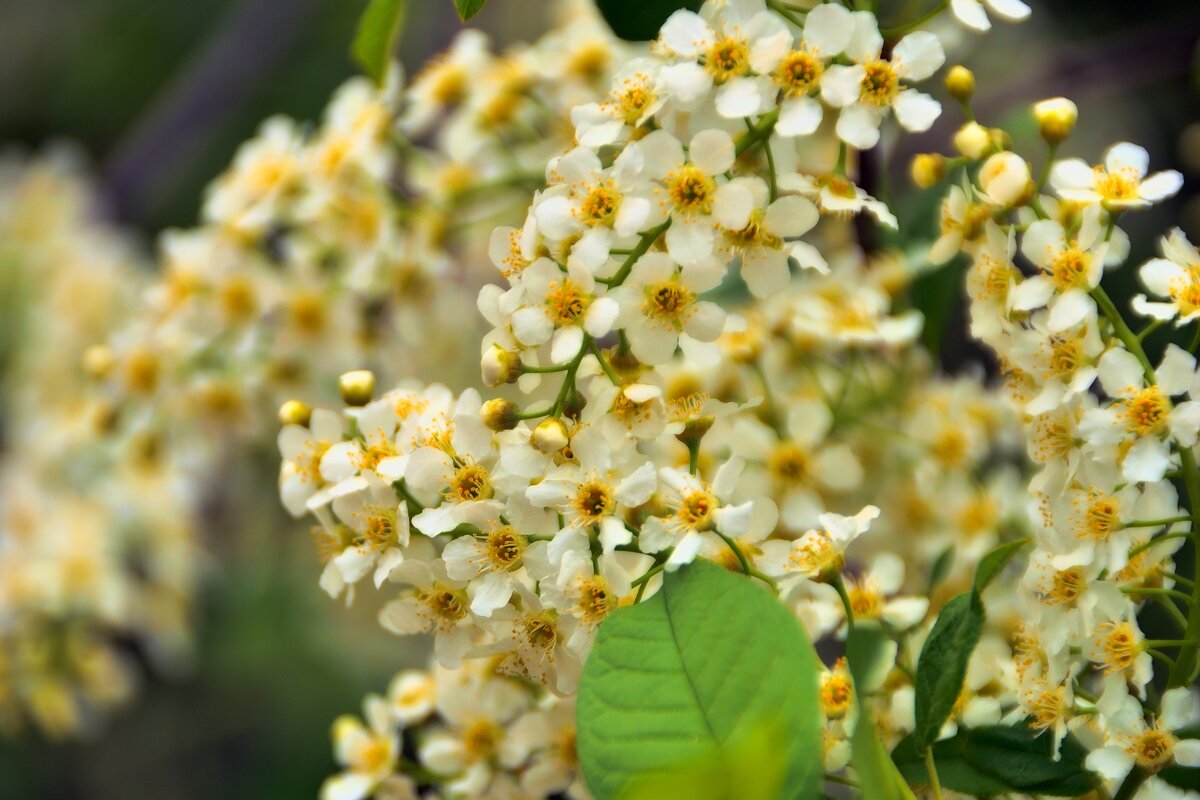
[[973, 140], [960, 83], [500, 366], [1055, 118], [357, 387], [1004, 178], [550, 435], [928, 169], [98, 361], [500, 414], [295, 412]]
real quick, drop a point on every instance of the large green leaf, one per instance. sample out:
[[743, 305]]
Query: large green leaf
[[639, 20], [688, 674], [468, 8], [378, 30], [870, 654], [942, 666]]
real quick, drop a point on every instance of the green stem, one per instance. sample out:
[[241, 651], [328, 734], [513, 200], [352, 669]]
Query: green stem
[[931, 768], [1138, 592], [758, 132], [1185, 665], [1155, 523], [900, 30], [1041, 181], [643, 245], [604, 365], [840, 586]]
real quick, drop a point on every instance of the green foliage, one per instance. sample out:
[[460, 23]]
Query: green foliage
[[998, 760], [687, 678], [639, 20], [378, 31], [878, 777], [869, 653], [942, 666], [994, 562], [468, 8]]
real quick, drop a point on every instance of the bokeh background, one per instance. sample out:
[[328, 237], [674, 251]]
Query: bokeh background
[[157, 96]]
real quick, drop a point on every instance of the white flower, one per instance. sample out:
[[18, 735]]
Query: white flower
[[972, 14], [715, 54], [368, 752], [302, 450], [473, 746], [1071, 268], [697, 508], [661, 310], [873, 595], [1151, 746], [560, 308], [265, 172], [1175, 276], [368, 507], [594, 492], [795, 68], [757, 230], [1004, 178], [1064, 363], [836, 194], [1142, 414], [434, 604], [688, 188], [446, 81], [873, 85], [585, 200], [820, 553], [1117, 184], [637, 94]]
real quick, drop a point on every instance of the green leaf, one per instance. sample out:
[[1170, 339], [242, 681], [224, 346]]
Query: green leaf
[[639, 20], [941, 568], [468, 8], [870, 654], [942, 666], [994, 562], [378, 31], [750, 768], [878, 777], [687, 675], [997, 760]]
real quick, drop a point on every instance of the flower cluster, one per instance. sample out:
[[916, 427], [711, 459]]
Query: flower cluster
[[97, 549], [694, 360], [1107, 426]]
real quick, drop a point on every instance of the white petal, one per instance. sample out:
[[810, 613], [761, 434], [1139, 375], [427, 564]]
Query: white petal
[[828, 28], [915, 110], [712, 151], [1127, 156], [1071, 308], [800, 116], [841, 85], [1148, 460], [742, 97], [918, 55], [858, 125], [1161, 185], [971, 14]]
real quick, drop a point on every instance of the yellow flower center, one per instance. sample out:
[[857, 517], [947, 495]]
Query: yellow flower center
[[1116, 185], [1065, 586], [596, 600], [593, 501], [798, 73], [1119, 646], [691, 191], [446, 607], [789, 463], [865, 599], [566, 303], [1153, 748], [667, 302], [836, 692], [727, 58], [1069, 269], [600, 204], [696, 510], [1101, 519], [481, 739], [504, 548], [470, 482], [1146, 411], [880, 84], [633, 98]]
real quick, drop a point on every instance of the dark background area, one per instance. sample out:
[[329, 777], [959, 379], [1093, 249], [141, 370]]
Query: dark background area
[[159, 93]]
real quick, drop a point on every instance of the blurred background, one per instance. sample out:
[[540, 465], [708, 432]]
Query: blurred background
[[157, 95]]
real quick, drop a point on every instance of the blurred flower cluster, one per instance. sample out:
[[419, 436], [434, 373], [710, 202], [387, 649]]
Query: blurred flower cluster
[[98, 561]]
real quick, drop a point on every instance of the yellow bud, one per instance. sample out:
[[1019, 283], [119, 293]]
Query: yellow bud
[[1055, 118], [295, 412], [357, 387], [550, 435], [499, 414], [928, 169], [973, 140], [500, 366], [98, 360], [960, 83]]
